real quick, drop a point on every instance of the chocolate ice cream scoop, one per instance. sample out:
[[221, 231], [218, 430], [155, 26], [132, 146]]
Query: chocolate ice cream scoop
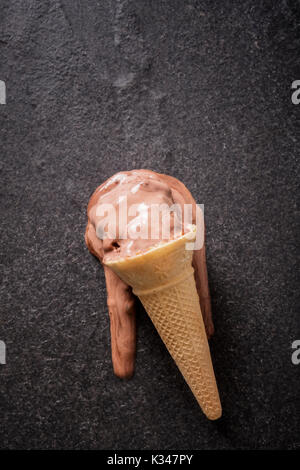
[[110, 205]]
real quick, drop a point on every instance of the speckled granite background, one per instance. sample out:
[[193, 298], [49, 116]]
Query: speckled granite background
[[197, 89]]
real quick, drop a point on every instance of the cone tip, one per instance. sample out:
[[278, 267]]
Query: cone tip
[[215, 414]]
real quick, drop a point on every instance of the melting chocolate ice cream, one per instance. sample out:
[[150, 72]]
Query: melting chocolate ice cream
[[141, 190]]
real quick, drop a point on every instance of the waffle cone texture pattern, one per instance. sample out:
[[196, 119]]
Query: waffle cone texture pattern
[[163, 279]]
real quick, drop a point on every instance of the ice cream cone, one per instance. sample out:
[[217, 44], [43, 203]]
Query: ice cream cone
[[163, 278]]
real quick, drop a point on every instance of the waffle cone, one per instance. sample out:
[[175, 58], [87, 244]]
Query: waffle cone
[[163, 279]]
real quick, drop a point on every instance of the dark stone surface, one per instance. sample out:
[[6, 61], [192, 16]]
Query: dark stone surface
[[197, 89]]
